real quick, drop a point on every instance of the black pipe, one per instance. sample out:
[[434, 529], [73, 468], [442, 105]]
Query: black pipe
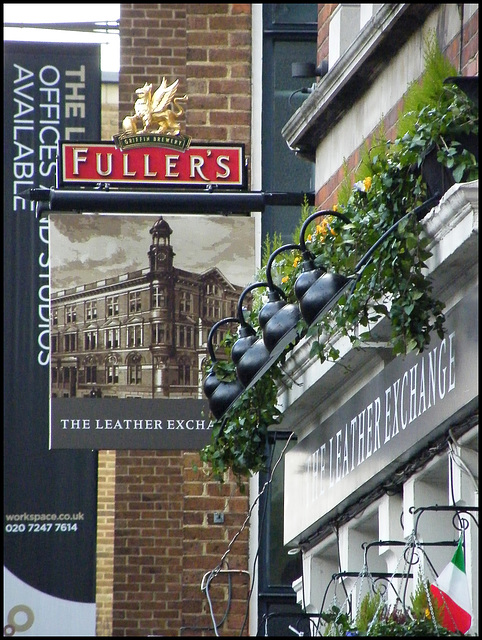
[[111, 201]]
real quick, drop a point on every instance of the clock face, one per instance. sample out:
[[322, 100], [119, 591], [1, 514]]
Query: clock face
[[162, 255]]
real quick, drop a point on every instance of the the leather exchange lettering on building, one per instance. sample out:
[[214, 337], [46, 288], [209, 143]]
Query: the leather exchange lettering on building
[[128, 423], [414, 400], [82, 164]]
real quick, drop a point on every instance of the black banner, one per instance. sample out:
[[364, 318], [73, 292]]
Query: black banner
[[51, 92]]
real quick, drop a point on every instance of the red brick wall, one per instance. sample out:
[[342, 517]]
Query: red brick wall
[[219, 72], [163, 540], [153, 45], [206, 46], [324, 14]]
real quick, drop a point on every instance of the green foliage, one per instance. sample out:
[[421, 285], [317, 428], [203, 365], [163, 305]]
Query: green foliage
[[306, 210], [393, 284], [337, 622], [370, 607], [427, 91], [239, 440], [451, 126], [346, 185], [269, 246]]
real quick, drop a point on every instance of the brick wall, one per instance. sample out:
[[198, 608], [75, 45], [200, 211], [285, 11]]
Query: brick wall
[[208, 48], [110, 110], [219, 72], [106, 459], [105, 541], [153, 45], [156, 534]]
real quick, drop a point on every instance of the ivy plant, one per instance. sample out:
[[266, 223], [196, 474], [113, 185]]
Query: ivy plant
[[393, 284]]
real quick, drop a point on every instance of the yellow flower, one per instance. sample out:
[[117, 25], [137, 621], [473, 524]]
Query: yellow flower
[[367, 182], [309, 237], [335, 207], [333, 232], [296, 261], [427, 614], [284, 279]]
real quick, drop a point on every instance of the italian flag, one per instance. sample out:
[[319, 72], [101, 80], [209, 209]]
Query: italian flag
[[451, 591]]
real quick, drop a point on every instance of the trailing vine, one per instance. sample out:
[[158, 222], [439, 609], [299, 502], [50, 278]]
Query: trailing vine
[[393, 284]]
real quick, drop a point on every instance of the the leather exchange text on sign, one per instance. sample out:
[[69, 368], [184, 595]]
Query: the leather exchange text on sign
[[130, 423]]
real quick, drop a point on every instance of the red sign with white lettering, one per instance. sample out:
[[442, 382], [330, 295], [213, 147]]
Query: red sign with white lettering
[[84, 163]]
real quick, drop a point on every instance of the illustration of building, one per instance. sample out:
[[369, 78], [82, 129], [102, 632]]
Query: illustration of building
[[141, 334]]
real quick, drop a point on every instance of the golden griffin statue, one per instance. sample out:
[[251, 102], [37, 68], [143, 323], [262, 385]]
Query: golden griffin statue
[[152, 113]]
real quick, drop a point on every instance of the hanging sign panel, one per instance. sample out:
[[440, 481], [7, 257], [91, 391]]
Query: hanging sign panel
[[132, 300], [220, 165]]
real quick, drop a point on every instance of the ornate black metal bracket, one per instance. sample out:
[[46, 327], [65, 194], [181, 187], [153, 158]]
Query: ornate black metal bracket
[[460, 523]]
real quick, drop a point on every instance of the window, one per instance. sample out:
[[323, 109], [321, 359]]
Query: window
[[70, 313], [112, 338], [90, 340], [212, 290], [134, 373], [134, 301], [213, 308], [158, 333], [185, 302], [158, 297], [55, 317], [90, 310], [54, 343], [91, 373], [185, 336], [184, 374], [135, 335], [112, 374], [112, 306], [70, 342]]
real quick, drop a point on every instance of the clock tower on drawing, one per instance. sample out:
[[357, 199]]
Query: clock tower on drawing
[[161, 253], [162, 308]]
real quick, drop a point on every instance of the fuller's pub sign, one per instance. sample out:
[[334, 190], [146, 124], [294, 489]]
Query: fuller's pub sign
[[151, 151], [125, 343]]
